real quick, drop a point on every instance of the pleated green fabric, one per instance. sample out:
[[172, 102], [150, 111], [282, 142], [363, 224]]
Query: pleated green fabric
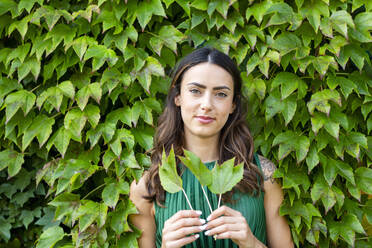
[[251, 207]]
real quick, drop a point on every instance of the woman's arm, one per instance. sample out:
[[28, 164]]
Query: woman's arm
[[144, 220], [278, 233]]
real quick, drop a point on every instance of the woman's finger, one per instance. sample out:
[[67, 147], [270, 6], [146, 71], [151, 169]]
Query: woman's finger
[[183, 214], [235, 223], [234, 227], [222, 220], [183, 232], [186, 222], [236, 236], [224, 210], [182, 242]]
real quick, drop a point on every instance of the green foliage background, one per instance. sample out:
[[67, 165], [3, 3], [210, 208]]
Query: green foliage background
[[83, 81]]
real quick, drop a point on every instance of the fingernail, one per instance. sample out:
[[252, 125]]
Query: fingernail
[[203, 227], [209, 218], [198, 212], [196, 236], [202, 221], [207, 232]]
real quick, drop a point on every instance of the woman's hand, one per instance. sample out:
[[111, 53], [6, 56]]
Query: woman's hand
[[226, 223], [180, 229]]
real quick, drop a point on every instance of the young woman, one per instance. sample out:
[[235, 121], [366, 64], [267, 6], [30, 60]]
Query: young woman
[[204, 114]]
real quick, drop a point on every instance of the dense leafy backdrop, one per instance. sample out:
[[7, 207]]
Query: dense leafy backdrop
[[83, 81]]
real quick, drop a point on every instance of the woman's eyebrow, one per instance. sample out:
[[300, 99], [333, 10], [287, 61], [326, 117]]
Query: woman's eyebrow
[[204, 87]]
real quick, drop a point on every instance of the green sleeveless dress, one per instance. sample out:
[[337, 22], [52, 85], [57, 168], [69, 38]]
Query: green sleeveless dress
[[251, 207]]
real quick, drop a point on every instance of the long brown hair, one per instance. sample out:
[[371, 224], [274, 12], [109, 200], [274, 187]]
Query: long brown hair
[[235, 138]]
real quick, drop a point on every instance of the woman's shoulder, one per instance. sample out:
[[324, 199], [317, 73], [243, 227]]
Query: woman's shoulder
[[138, 192], [268, 168]]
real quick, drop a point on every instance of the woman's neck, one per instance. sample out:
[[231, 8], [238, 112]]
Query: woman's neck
[[205, 148]]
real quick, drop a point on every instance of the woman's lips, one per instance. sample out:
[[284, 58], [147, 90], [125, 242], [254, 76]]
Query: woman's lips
[[204, 119]]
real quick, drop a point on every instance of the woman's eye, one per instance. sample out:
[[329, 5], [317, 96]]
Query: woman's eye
[[221, 94], [194, 91]]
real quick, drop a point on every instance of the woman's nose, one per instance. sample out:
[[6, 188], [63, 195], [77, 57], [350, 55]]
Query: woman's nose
[[206, 102]]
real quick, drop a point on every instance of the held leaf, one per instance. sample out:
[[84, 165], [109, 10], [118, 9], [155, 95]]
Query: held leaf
[[225, 176], [196, 166], [169, 178]]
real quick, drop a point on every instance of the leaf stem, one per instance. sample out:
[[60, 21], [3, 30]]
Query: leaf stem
[[206, 197], [187, 199], [97, 188], [219, 201]]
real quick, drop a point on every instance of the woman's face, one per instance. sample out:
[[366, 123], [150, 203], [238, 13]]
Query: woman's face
[[205, 99]]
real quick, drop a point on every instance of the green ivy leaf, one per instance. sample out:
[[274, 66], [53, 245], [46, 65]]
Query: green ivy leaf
[[312, 159], [110, 195], [144, 137], [169, 178], [258, 10], [34, 130], [122, 135], [343, 169], [50, 237], [67, 89], [20, 99], [53, 96], [6, 6], [321, 190], [273, 105], [313, 11], [153, 67], [87, 213], [80, 46], [119, 221], [129, 160], [195, 165], [92, 113], [146, 10], [320, 99], [346, 228], [290, 141], [330, 170], [289, 82], [5, 228], [60, 140], [91, 90], [225, 176], [363, 179], [170, 37], [289, 108], [322, 63], [100, 55], [340, 20], [75, 121], [27, 217], [12, 160], [21, 25], [286, 42]]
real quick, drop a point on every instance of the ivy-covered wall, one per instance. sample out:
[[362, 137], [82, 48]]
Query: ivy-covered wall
[[82, 83]]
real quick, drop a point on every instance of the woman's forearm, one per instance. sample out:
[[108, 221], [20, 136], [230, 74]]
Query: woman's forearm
[[256, 244]]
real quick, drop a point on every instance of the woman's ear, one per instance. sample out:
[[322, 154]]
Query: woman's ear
[[232, 108], [177, 101]]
